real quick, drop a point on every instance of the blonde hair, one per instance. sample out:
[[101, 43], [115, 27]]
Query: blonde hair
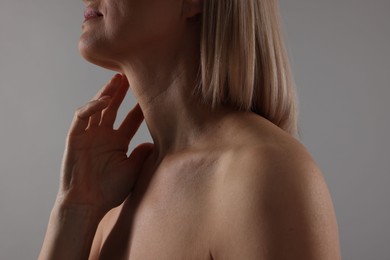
[[244, 62]]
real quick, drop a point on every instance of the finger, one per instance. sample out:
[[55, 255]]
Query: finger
[[109, 114], [94, 120], [132, 122], [121, 94], [110, 88], [139, 155], [82, 115]]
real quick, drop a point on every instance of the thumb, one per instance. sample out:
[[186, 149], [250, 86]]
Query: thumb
[[139, 155]]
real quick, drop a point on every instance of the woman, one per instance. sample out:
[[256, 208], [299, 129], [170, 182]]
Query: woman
[[225, 177]]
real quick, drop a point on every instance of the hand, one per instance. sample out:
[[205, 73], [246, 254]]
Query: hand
[[96, 171]]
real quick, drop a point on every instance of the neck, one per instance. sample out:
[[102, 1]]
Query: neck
[[163, 85]]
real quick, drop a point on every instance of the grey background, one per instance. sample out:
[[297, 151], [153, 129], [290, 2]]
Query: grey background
[[341, 61]]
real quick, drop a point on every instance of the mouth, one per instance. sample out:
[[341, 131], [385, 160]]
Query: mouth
[[91, 13]]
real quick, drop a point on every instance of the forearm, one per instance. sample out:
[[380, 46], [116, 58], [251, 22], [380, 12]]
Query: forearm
[[70, 233]]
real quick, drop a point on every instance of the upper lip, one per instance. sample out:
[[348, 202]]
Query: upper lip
[[91, 11]]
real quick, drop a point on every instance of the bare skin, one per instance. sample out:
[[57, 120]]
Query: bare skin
[[224, 202], [217, 184], [252, 191]]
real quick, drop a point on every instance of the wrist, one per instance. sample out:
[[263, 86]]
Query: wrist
[[65, 204], [70, 231], [77, 212]]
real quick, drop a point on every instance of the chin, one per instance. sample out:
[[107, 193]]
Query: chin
[[94, 54]]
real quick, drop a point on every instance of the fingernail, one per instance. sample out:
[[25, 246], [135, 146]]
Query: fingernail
[[104, 98], [116, 78]]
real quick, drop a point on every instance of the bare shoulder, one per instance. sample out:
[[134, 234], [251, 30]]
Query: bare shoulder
[[273, 202]]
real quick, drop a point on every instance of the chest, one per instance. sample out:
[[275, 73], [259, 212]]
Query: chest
[[167, 217]]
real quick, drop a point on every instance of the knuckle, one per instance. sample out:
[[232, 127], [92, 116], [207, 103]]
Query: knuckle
[[79, 110], [83, 111]]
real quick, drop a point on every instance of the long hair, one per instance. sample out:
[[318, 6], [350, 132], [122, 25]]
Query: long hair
[[244, 62]]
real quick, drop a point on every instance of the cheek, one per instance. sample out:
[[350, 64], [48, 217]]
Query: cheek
[[142, 25]]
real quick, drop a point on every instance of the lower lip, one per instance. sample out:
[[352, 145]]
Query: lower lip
[[92, 18]]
